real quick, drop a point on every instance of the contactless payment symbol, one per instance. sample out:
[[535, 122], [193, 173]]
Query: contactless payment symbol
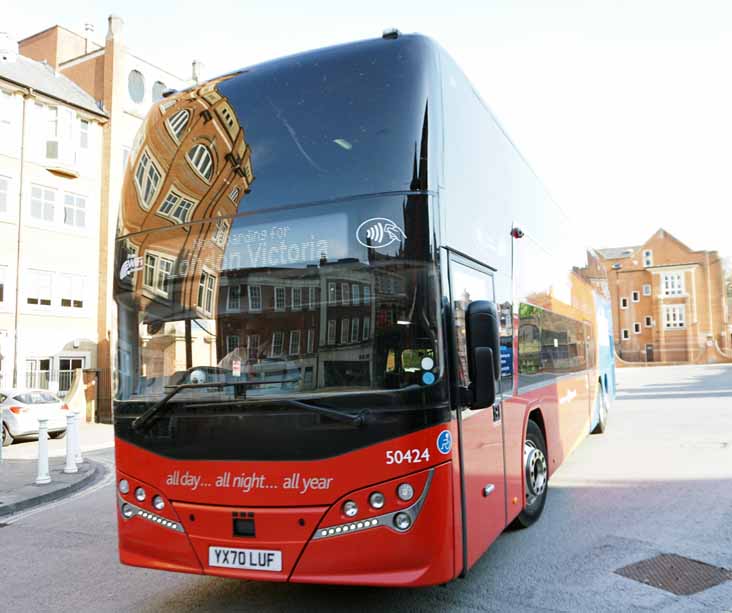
[[444, 442]]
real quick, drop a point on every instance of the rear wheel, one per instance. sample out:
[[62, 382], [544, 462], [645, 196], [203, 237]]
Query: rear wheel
[[7, 439], [59, 434], [602, 422], [536, 476]]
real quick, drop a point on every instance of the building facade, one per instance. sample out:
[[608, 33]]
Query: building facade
[[51, 139], [669, 302]]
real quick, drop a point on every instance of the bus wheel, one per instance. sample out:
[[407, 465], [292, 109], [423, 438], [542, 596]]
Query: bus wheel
[[602, 422], [536, 476]]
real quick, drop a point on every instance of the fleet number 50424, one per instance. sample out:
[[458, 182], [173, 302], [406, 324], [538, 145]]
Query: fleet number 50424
[[410, 456]]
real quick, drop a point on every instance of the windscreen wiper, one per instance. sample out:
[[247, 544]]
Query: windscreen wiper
[[144, 421]]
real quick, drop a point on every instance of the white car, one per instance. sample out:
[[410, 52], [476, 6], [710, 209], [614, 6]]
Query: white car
[[21, 409]]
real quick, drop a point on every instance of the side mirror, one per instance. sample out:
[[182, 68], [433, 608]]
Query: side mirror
[[484, 364]]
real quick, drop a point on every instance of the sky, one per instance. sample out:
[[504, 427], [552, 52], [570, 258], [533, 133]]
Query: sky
[[623, 108]]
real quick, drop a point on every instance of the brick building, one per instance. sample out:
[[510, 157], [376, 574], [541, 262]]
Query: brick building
[[669, 302]]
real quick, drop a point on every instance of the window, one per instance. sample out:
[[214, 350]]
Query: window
[[52, 132], [311, 298], [3, 271], [74, 210], [38, 372], [344, 293], [648, 258], [157, 273], [136, 86], [623, 303], [635, 296], [253, 346], [280, 300], [648, 321], [636, 327], [344, 330], [222, 232], [311, 341], [354, 330], [157, 90], [206, 286], [294, 342], [232, 343], [66, 369], [331, 338], [233, 302], [43, 201], [355, 294], [673, 283], [176, 207], [4, 187], [71, 291], [626, 334], [200, 158], [366, 328], [147, 178], [331, 293], [84, 133], [646, 289], [178, 122], [673, 316], [366, 294], [39, 288], [296, 299], [6, 112], [255, 297], [278, 339], [234, 195]]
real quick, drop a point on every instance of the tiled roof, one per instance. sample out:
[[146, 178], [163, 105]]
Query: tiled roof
[[44, 79], [615, 253]]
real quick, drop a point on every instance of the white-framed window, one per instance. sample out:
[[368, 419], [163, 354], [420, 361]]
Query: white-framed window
[[178, 122], [157, 273], [253, 346], [39, 288], [623, 303], [206, 288], [74, 210], [626, 334], [3, 273], [232, 343], [366, 294], [636, 327], [221, 232], [366, 328], [147, 179], [311, 298], [234, 195], [673, 316], [355, 294], [331, 292], [310, 340], [296, 298], [635, 296], [648, 321], [280, 299], [176, 207], [71, 291], [43, 203], [84, 133], [278, 340], [673, 283], [4, 189], [354, 330], [294, 348], [648, 258], [345, 298], [331, 337], [647, 289], [52, 132], [233, 299], [345, 323], [200, 158], [254, 293]]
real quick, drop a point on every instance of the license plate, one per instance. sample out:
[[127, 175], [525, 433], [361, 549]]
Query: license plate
[[249, 559]]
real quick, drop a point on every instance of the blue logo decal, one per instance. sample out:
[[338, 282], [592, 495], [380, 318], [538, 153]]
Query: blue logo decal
[[444, 442], [428, 378]]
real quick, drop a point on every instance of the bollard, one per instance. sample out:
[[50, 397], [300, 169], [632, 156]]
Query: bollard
[[43, 476], [70, 466], [77, 439]]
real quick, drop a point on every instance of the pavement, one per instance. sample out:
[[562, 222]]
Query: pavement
[[658, 481], [19, 468]]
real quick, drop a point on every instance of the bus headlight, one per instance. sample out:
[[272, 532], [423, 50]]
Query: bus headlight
[[405, 492], [402, 521], [127, 511], [140, 494], [124, 486], [158, 502], [350, 508], [376, 500]]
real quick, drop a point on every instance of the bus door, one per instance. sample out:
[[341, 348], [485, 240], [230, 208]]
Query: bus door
[[482, 428]]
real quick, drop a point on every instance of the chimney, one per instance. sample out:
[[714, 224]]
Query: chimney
[[115, 27], [8, 48], [197, 71]]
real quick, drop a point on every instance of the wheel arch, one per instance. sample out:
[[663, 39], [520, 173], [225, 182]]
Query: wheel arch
[[537, 417]]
